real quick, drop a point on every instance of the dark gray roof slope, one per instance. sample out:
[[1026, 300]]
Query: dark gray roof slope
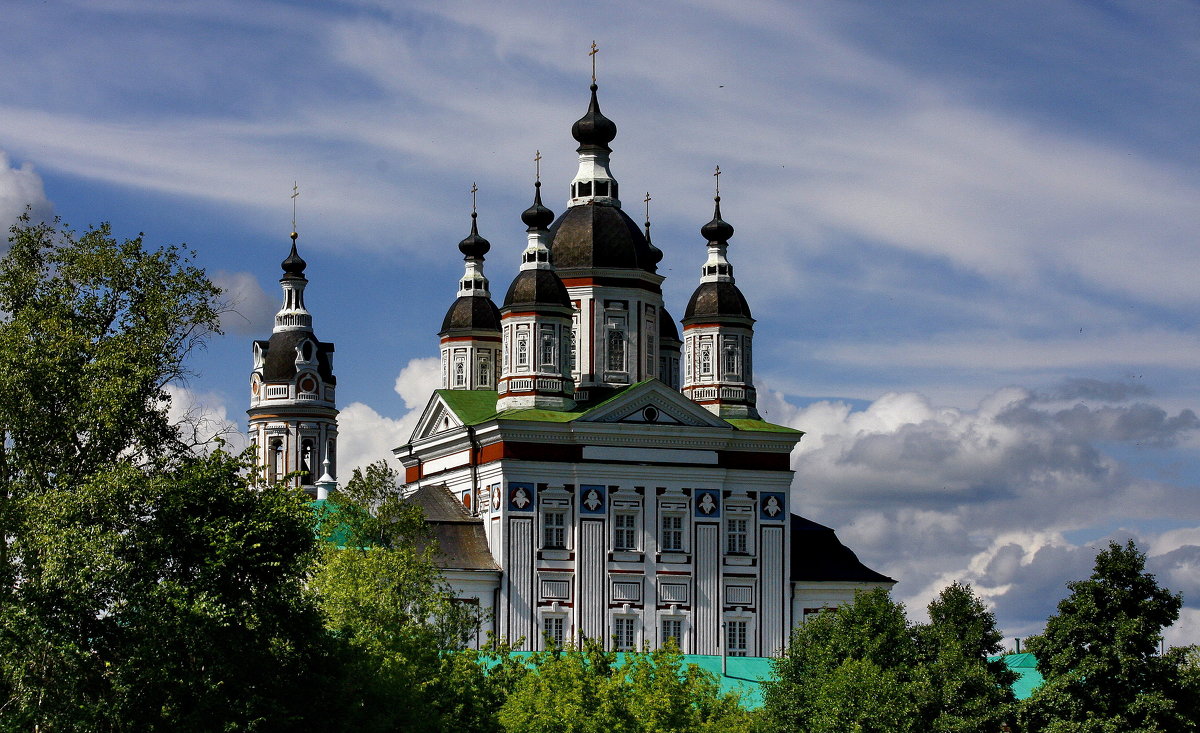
[[460, 537], [280, 362], [717, 300], [817, 554], [471, 313], [599, 236], [537, 287]]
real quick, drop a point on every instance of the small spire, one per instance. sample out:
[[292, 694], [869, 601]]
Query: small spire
[[717, 230], [295, 195], [474, 245]]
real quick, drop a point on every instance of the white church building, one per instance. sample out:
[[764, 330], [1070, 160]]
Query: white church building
[[587, 471]]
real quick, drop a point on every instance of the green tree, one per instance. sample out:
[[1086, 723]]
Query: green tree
[[142, 587], [1098, 654], [164, 599], [849, 669], [384, 596], [589, 690], [964, 692]]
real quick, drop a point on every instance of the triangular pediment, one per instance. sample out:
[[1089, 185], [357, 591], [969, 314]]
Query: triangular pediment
[[653, 402], [436, 418]]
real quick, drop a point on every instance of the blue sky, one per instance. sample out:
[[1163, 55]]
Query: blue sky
[[967, 229]]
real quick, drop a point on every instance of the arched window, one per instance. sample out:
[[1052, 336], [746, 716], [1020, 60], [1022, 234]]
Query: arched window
[[485, 371], [275, 461], [460, 373], [616, 350], [706, 358], [306, 461]]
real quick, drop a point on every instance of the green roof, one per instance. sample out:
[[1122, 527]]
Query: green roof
[[475, 406], [472, 406], [761, 426]]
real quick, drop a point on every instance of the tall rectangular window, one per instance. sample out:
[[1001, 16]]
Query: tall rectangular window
[[549, 346], [735, 638], [522, 349], [554, 530], [672, 628], [552, 629], [625, 531], [672, 533], [625, 633], [616, 349], [735, 535]]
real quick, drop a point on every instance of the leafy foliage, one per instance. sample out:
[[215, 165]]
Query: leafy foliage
[[864, 667], [589, 690], [1098, 654], [384, 596]]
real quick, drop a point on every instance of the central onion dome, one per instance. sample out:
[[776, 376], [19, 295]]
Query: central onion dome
[[594, 129], [595, 235], [293, 266]]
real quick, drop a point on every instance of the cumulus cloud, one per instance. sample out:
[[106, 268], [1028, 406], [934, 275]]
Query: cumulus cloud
[[992, 495], [251, 309], [21, 187], [365, 436], [417, 380]]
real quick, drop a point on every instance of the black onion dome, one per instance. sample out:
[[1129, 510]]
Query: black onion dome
[[537, 287], [597, 235], [293, 266], [716, 300], [717, 230], [594, 129], [280, 362], [537, 216], [474, 245], [471, 313], [667, 328]]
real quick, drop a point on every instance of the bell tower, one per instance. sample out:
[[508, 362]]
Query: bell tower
[[293, 413]]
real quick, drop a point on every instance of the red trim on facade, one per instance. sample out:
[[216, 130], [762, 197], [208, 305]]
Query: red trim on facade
[[494, 339], [412, 473], [612, 282]]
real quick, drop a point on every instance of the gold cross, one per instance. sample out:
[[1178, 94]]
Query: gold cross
[[592, 53], [295, 194], [718, 175], [647, 200], [474, 188], [537, 162]]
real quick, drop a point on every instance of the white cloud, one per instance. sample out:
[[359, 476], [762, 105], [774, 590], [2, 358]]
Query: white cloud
[[365, 436], [417, 380], [931, 494], [251, 310], [203, 417], [20, 188]]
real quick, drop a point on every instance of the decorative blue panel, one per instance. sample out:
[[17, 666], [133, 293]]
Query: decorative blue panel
[[772, 506], [592, 499], [708, 504], [522, 497]]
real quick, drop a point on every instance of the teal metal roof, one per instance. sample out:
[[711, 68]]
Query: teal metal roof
[[1028, 677]]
